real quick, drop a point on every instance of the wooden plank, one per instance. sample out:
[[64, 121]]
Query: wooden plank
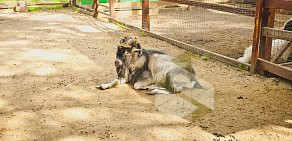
[[92, 10], [256, 36], [279, 70], [215, 6], [6, 8], [286, 64], [58, 3], [103, 6], [279, 4], [145, 15], [277, 33], [40, 4], [212, 55]]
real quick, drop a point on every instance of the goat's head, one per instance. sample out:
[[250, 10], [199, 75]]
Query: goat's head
[[128, 48]]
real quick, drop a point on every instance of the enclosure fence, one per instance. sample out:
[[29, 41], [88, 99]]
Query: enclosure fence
[[220, 29], [264, 33]]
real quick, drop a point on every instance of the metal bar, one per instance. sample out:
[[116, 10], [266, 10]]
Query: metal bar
[[279, 4], [145, 15], [219, 7], [256, 36], [279, 70], [277, 33]]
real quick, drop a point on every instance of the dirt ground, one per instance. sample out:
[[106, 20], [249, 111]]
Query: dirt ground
[[51, 62]]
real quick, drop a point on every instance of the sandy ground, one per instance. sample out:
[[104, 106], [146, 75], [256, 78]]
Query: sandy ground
[[51, 62]]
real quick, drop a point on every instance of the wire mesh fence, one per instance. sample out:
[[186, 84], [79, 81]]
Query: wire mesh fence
[[200, 25], [221, 26]]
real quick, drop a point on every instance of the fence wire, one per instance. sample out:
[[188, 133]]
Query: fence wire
[[221, 26], [282, 19], [219, 31]]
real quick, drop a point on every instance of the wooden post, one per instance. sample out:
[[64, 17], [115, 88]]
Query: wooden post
[[74, 3], [269, 40], [145, 15], [95, 7], [256, 36], [112, 8], [266, 42], [264, 23]]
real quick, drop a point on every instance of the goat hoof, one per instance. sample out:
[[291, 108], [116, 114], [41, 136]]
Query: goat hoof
[[102, 86]]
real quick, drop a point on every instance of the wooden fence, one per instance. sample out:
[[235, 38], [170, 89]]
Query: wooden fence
[[264, 32]]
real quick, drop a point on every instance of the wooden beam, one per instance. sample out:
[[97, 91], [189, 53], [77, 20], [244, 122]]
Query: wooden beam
[[7, 7], [58, 3], [279, 70], [268, 45], [277, 33], [279, 4], [263, 40], [145, 15], [92, 10], [40, 4], [256, 36], [103, 5], [286, 64], [216, 6]]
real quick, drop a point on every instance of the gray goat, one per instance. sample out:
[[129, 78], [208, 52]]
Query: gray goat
[[151, 70]]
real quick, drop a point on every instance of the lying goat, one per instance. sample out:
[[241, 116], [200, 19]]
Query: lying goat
[[277, 45], [146, 69]]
